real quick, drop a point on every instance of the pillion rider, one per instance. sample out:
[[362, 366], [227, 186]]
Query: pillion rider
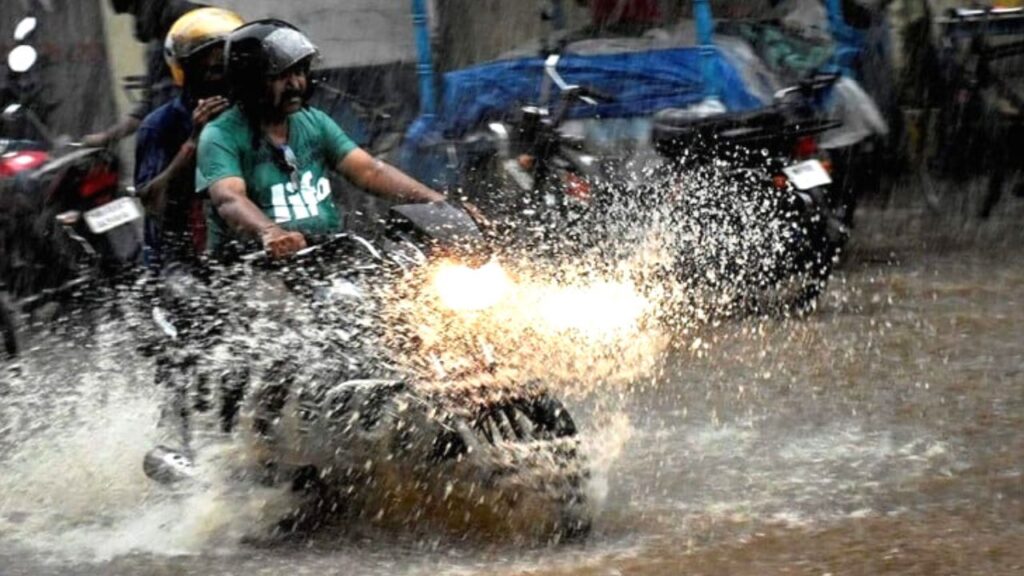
[[264, 162], [165, 153]]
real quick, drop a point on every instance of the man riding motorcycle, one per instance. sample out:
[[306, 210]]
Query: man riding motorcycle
[[165, 153], [264, 161], [296, 366]]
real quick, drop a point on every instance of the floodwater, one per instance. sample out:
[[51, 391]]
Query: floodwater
[[884, 434]]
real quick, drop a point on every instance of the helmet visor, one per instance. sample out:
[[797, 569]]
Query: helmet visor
[[284, 48]]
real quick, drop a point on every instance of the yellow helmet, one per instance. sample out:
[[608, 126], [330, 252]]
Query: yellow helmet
[[195, 31]]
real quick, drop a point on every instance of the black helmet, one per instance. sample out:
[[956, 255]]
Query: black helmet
[[263, 49]]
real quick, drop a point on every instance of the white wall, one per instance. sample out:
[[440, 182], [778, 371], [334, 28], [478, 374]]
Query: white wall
[[348, 32]]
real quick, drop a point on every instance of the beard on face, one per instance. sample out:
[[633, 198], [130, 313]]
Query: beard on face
[[287, 100]]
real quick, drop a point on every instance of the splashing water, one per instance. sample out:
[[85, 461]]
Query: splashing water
[[594, 330], [581, 334], [72, 486]]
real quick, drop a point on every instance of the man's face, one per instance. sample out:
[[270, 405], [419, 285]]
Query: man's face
[[209, 73], [286, 91]]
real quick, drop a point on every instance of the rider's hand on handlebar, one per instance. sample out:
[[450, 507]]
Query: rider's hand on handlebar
[[280, 243], [476, 214]]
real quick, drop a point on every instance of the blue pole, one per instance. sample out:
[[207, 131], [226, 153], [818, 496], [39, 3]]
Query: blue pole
[[835, 14], [842, 36], [425, 65], [705, 37]]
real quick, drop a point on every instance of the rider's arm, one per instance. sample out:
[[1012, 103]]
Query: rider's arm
[[219, 175], [364, 170], [377, 177], [124, 127], [228, 197], [154, 192]]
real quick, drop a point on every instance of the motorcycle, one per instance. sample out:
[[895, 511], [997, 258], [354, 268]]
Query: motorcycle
[[65, 221], [551, 177], [329, 407], [979, 107], [567, 201], [770, 162]]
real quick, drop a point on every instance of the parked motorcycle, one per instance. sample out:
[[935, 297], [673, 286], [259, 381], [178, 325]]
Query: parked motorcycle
[[769, 158], [315, 388], [563, 197], [65, 221], [529, 171], [979, 105]]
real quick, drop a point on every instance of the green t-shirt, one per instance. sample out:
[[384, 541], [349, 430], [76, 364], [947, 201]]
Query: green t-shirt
[[299, 200]]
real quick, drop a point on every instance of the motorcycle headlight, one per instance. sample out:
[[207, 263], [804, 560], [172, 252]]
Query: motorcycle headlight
[[463, 288]]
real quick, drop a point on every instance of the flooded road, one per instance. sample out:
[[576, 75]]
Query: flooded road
[[884, 434]]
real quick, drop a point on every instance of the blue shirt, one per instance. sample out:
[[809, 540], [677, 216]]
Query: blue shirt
[[158, 140]]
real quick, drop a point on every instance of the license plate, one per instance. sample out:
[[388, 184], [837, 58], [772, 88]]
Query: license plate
[[113, 214], [807, 175]]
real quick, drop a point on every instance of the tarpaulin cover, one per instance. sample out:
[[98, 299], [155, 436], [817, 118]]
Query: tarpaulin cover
[[641, 82]]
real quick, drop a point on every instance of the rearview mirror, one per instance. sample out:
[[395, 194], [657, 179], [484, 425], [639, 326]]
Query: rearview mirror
[[69, 218], [22, 58], [25, 28]]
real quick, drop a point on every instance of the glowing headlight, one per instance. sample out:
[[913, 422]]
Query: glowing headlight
[[465, 289], [595, 310]]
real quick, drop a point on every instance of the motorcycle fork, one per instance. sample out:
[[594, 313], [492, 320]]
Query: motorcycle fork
[[174, 375]]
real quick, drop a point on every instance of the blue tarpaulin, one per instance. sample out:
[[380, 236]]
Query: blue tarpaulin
[[641, 82]]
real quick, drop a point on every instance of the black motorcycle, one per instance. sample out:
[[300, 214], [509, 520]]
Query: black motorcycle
[[310, 380], [68, 231], [979, 103], [65, 221], [753, 196], [528, 173]]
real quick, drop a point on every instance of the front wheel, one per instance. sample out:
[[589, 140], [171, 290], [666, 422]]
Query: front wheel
[[469, 461]]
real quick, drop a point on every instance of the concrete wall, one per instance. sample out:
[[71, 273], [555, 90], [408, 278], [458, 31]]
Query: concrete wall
[[125, 55], [124, 52], [348, 32], [474, 31]]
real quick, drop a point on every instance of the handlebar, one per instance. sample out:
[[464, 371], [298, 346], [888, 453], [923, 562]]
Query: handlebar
[[436, 223], [570, 92], [810, 86], [316, 244], [586, 93]]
